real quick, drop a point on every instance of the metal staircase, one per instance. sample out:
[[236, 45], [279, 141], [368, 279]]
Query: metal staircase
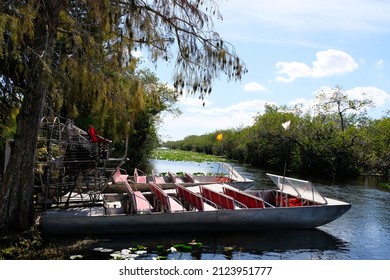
[[69, 168]]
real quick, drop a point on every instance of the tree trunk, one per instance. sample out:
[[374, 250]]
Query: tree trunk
[[16, 193], [16, 190]]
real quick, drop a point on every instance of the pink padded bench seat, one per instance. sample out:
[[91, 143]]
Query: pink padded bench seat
[[158, 179], [190, 178], [118, 177], [222, 200], [168, 203], [175, 178], [138, 178], [248, 200], [194, 199], [139, 202]]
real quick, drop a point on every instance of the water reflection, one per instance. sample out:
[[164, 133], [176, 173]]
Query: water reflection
[[163, 166], [287, 244]]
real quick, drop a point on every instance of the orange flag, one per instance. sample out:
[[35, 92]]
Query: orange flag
[[219, 137]]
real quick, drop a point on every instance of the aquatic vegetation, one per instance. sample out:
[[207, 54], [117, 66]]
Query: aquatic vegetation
[[103, 250], [76, 257], [129, 253], [193, 249], [179, 155]]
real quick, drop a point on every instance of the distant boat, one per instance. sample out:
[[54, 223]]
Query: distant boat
[[295, 204]]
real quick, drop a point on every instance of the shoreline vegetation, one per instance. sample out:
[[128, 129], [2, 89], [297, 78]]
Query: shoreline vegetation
[[385, 185], [30, 245], [326, 145]]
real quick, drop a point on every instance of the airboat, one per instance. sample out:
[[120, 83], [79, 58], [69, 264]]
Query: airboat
[[74, 196]]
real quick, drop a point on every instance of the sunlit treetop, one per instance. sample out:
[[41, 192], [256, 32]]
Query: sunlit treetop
[[185, 27]]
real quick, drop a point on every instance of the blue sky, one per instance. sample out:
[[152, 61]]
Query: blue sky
[[292, 49]]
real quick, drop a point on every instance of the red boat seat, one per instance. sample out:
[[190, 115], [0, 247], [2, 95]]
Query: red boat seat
[[168, 203], [222, 200], [194, 199], [290, 202], [248, 200]]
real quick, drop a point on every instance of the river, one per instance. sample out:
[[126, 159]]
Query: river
[[361, 234]]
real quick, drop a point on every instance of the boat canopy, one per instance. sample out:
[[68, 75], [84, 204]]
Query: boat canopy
[[231, 172], [299, 188]]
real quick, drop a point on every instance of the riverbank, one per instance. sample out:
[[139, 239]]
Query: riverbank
[[30, 245], [385, 185]]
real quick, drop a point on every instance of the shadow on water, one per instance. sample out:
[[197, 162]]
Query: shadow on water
[[219, 245]]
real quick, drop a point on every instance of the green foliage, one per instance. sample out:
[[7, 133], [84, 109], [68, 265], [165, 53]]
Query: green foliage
[[377, 146], [24, 246], [336, 101], [7, 131], [385, 185], [80, 52], [8, 128], [315, 145]]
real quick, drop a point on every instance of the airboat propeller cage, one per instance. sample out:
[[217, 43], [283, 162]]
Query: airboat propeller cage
[[299, 188]]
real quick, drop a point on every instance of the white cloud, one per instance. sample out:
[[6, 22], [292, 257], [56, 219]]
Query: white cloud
[[328, 63], [333, 62], [254, 86], [293, 70], [378, 96]]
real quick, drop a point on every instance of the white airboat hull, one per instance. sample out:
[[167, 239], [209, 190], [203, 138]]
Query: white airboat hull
[[93, 221]]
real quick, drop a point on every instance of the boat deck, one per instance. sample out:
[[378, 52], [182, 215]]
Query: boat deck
[[117, 204], [116, 214], [76, 212]]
